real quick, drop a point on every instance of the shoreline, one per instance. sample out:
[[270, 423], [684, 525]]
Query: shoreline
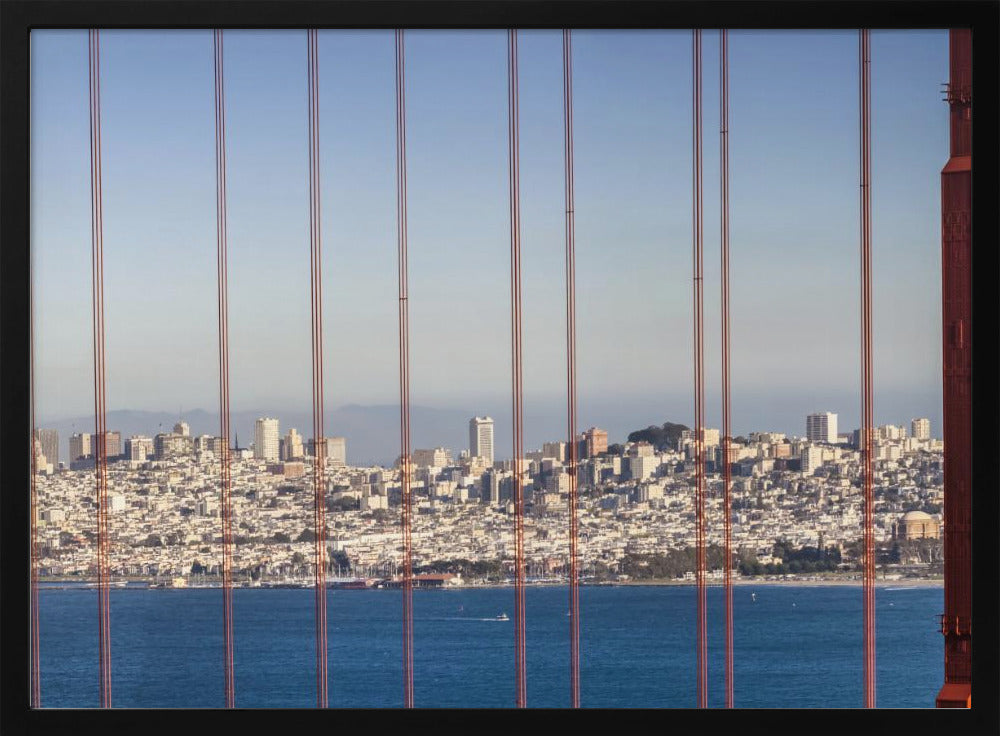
[[737, 582]]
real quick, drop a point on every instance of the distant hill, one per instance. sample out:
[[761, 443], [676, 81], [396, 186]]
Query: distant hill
[[372, 432], [660, 437]]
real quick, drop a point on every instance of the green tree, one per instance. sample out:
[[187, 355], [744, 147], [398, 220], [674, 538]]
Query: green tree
[[344, 503], [660, 437]]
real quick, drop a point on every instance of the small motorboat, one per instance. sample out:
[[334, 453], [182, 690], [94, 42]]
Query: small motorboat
[[502, 617]]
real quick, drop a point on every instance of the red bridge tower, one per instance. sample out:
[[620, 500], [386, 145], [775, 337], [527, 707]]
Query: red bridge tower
[[956, 253]]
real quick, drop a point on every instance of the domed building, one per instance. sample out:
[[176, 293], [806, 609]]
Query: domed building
[[917, 525]]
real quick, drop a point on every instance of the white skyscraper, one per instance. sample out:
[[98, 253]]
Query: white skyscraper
[[821, 427], [481, 438], [920, 429], [293, 449], [182, 428], [336, 451], [265, 439]]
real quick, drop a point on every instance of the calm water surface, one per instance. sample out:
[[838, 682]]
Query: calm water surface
[[797, 647]]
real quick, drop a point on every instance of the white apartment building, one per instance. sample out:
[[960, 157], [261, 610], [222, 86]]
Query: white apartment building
[[265, 440], [811, 458], [822, 427], [439, 457], [336, 451], [920, 429], [481, 438], [892, 432], [293, 449], [138, 448]]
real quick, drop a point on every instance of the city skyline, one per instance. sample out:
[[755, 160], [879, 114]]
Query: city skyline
[[277, 440], [794, 287]]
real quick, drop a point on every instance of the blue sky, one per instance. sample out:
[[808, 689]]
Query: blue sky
[[794, 222]]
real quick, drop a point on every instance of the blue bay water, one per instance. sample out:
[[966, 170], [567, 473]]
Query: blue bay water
[[796, 647]]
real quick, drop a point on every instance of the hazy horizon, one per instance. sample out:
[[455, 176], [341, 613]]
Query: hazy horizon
[[367, 426]]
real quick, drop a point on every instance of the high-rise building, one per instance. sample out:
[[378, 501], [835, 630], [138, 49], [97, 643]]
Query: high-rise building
[[811, 458], [82, 445], [292, 447], [49, 439], [439, 457], [38, 455], [182, 428], [265, 439], [113, 444], [79, 446], [489, 492], [167, 446], [554, 450], [595, 441], [335, 450], [892, 432], [138, 448], [821, 427], [481, 437], [920, 429]]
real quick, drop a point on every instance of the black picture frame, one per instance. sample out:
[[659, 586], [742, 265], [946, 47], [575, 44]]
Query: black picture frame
[[18, 17]]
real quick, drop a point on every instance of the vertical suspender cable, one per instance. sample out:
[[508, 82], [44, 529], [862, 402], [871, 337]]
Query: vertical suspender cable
[[699, 381], [867, 407], [100, 383], [319, 437], [405, 460], [574, 581], [36, 681], [516, 373], [223, 291], [726, 405]]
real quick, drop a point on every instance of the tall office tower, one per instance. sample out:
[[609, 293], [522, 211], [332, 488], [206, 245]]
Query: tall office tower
[[595, 441], [138, 448], [489, 492], [554, 450], [113, 444], [920, 429], [265, 439], [336, 452], [50, 444], [821, 427], [79, 446], [481, 438], [293, 445], [334, 449], [216, 445], [182, 428]]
